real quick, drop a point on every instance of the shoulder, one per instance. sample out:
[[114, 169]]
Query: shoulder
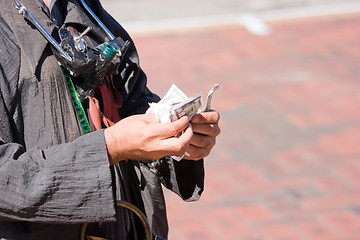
[[7, 36], [9, 56]]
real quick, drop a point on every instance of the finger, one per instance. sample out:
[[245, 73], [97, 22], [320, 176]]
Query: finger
[[206, 117], [204, 141], [196, 153], [177, 145], [171, 129], [187, 135], [206, 129]]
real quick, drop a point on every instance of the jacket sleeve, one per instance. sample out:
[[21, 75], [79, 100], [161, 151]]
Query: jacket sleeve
[[67, 183]]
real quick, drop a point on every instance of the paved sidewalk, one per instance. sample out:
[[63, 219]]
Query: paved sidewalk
[[150, 17], [286, 165], [145, 10]]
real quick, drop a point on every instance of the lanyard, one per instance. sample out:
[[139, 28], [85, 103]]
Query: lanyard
[[80, 113]]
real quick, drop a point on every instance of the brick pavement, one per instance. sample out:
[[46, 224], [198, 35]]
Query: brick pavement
[[286, 165]]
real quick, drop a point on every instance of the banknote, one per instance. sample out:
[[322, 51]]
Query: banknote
[[174, 95], [188, 108], [175, 104], [209, 97]]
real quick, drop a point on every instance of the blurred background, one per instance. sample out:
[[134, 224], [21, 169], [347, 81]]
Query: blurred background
[[287, 163]]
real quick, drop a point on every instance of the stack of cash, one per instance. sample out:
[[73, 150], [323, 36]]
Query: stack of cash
[[175, 104]]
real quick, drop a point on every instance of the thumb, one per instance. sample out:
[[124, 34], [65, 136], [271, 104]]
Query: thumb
[[173, 128]]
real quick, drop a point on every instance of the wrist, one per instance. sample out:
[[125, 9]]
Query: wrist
[[113, 152]]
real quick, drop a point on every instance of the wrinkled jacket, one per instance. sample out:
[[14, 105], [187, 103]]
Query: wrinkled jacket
[[53, 178]]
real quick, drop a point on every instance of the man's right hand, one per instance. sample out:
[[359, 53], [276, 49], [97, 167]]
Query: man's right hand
[[142, 137]]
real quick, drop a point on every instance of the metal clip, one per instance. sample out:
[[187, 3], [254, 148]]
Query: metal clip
[[27, 14], [106, 30]]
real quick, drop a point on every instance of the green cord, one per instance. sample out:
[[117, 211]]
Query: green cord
[[85, 126]]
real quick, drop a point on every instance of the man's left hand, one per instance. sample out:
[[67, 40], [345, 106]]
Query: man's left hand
[[205, 128]]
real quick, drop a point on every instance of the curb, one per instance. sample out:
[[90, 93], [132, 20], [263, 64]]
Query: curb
[[254, 22]]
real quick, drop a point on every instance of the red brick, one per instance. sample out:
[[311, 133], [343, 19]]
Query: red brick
[[315, 230], [333, 185], [332, 202], [253, 213], [192, 232], [344, 222], [293, 162], [281, 232], [350, 171], [224, 223]]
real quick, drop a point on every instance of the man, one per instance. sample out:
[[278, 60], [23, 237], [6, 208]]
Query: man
[[53, 177]]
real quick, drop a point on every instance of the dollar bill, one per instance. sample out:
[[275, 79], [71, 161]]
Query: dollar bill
[[209, 97], [173, 96], [175, 104], [187, 108]]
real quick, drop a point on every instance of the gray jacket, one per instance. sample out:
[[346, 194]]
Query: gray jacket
[[53, 178]]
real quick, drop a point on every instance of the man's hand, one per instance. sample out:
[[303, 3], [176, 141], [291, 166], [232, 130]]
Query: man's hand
[[205, 128], [142, 137]]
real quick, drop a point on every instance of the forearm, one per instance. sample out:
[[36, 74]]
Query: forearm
[[66, 183]]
